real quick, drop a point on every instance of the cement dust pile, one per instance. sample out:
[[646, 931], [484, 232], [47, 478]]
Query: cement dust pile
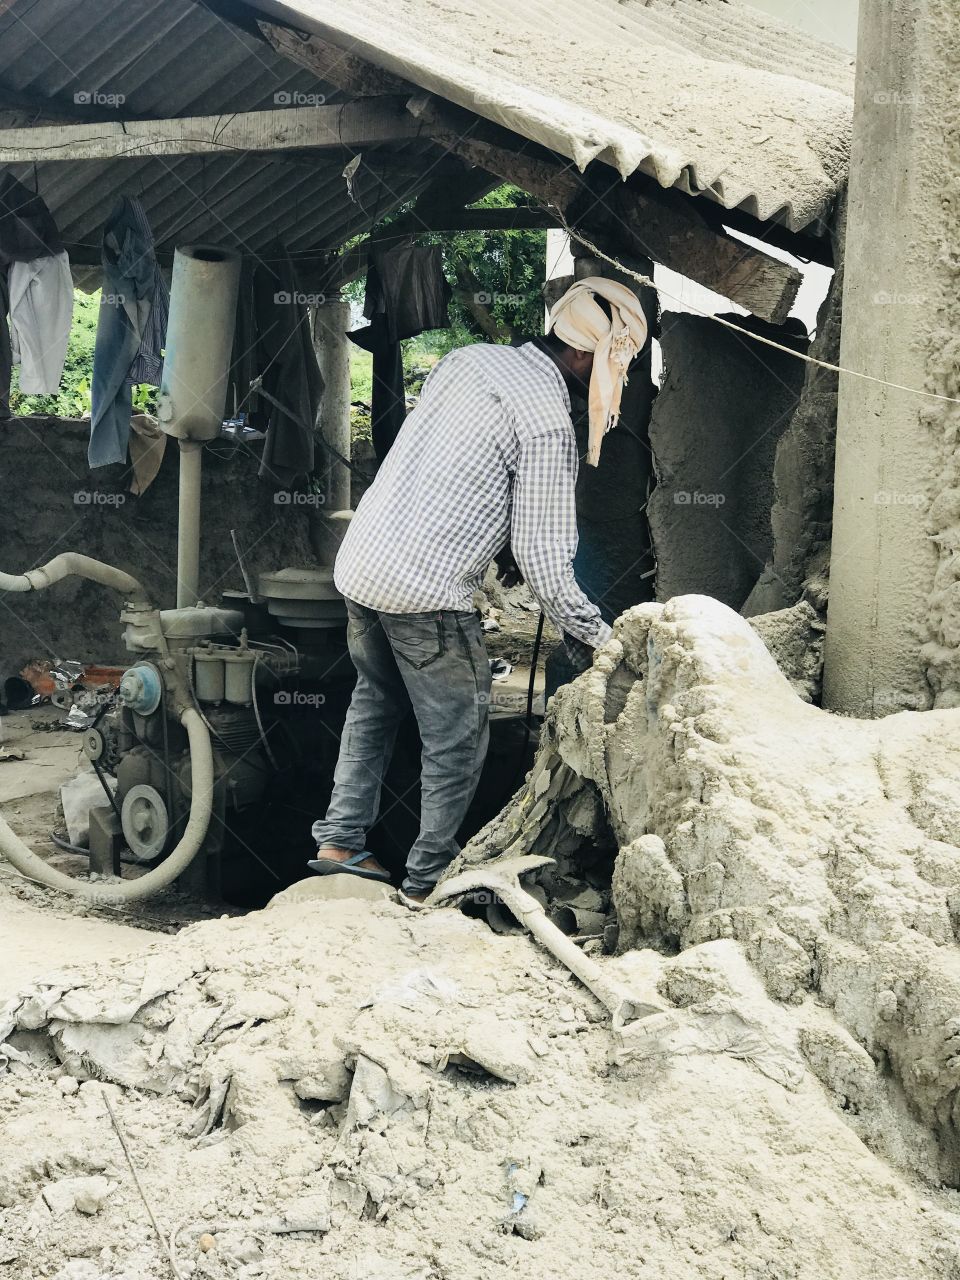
[[342, 1088]]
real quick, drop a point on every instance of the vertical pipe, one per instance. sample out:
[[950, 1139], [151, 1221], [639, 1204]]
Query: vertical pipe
[[188, 533], [203, 308], [332, 320]]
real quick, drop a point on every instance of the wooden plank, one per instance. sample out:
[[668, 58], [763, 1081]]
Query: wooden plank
[[354, 124], [333, 65], [662, 225]]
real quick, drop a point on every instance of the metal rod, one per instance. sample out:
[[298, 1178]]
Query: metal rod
[[188, 535]]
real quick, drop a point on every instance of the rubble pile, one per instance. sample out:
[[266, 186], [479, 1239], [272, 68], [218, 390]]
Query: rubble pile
[[338, 1086]]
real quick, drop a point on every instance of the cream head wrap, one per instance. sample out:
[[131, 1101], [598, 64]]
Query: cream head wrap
[[579, 322]]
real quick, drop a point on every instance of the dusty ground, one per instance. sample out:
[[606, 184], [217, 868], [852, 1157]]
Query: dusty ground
[[426, 1100]]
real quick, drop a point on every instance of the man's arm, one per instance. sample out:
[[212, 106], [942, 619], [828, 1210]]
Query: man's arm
[[544, 532]]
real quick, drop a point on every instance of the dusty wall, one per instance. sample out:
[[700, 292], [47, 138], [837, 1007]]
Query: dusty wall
[[43, 467], [802, 513], [723, 406], [893, 637]]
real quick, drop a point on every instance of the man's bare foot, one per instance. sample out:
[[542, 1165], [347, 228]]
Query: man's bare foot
[[341, 855]]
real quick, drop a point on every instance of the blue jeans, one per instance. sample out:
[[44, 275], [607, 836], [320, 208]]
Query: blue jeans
[[436, 663]]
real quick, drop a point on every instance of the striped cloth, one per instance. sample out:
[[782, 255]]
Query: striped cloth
[[488, 455]]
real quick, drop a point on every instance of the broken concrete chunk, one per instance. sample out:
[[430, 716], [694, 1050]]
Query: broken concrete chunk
[[307, 1213], [85, 1195]]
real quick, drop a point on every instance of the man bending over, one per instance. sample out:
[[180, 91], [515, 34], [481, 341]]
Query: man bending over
[[488, 457]]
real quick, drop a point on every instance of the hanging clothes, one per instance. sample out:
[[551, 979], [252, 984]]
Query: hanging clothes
[[28, 233], [27, 228], [388, 400], [273, 342], [148, 442], [40, 294], [407, 293], [129, 339], [407, 287]]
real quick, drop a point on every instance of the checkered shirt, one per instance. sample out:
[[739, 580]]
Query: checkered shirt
[[488, 455]]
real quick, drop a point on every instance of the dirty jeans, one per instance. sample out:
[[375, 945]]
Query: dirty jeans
[[436, 663]]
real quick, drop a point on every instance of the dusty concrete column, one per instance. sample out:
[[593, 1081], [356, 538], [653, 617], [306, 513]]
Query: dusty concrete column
[[332, 320], [893, 628]]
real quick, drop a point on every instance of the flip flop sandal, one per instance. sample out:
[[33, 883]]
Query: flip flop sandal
[[349, 867], [411, 903]]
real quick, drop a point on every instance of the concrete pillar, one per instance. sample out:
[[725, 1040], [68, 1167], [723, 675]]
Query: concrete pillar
[[893, 627], [331, 322]]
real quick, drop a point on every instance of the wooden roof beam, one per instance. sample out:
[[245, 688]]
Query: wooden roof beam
[[363, 123], [662, 225]]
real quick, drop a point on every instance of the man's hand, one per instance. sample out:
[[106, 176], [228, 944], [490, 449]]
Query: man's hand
[[508, 571], [579, 655]]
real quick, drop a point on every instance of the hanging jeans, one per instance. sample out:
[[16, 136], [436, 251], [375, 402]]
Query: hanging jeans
[[436, 663]]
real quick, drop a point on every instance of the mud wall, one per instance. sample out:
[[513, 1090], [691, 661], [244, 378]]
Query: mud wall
[[724, 404], [802, 514], [50, 501]]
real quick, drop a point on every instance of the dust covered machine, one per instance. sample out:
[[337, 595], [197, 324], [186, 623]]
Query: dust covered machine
[[268, 675]]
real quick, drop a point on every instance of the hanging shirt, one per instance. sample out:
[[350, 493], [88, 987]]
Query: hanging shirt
[[41, 313], [128, 345], [488, 456]]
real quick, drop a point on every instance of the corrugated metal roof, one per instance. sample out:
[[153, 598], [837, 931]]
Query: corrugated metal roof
[[709, 96], [177, 58]]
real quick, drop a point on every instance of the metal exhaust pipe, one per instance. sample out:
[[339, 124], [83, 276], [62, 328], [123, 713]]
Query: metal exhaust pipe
[[193, 386]]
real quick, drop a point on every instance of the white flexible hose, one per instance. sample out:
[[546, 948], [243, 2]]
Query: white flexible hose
[[201, 806], [72, 562]]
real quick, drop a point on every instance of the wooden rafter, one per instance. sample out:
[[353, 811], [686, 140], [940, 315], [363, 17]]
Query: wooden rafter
[[354, 124]]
